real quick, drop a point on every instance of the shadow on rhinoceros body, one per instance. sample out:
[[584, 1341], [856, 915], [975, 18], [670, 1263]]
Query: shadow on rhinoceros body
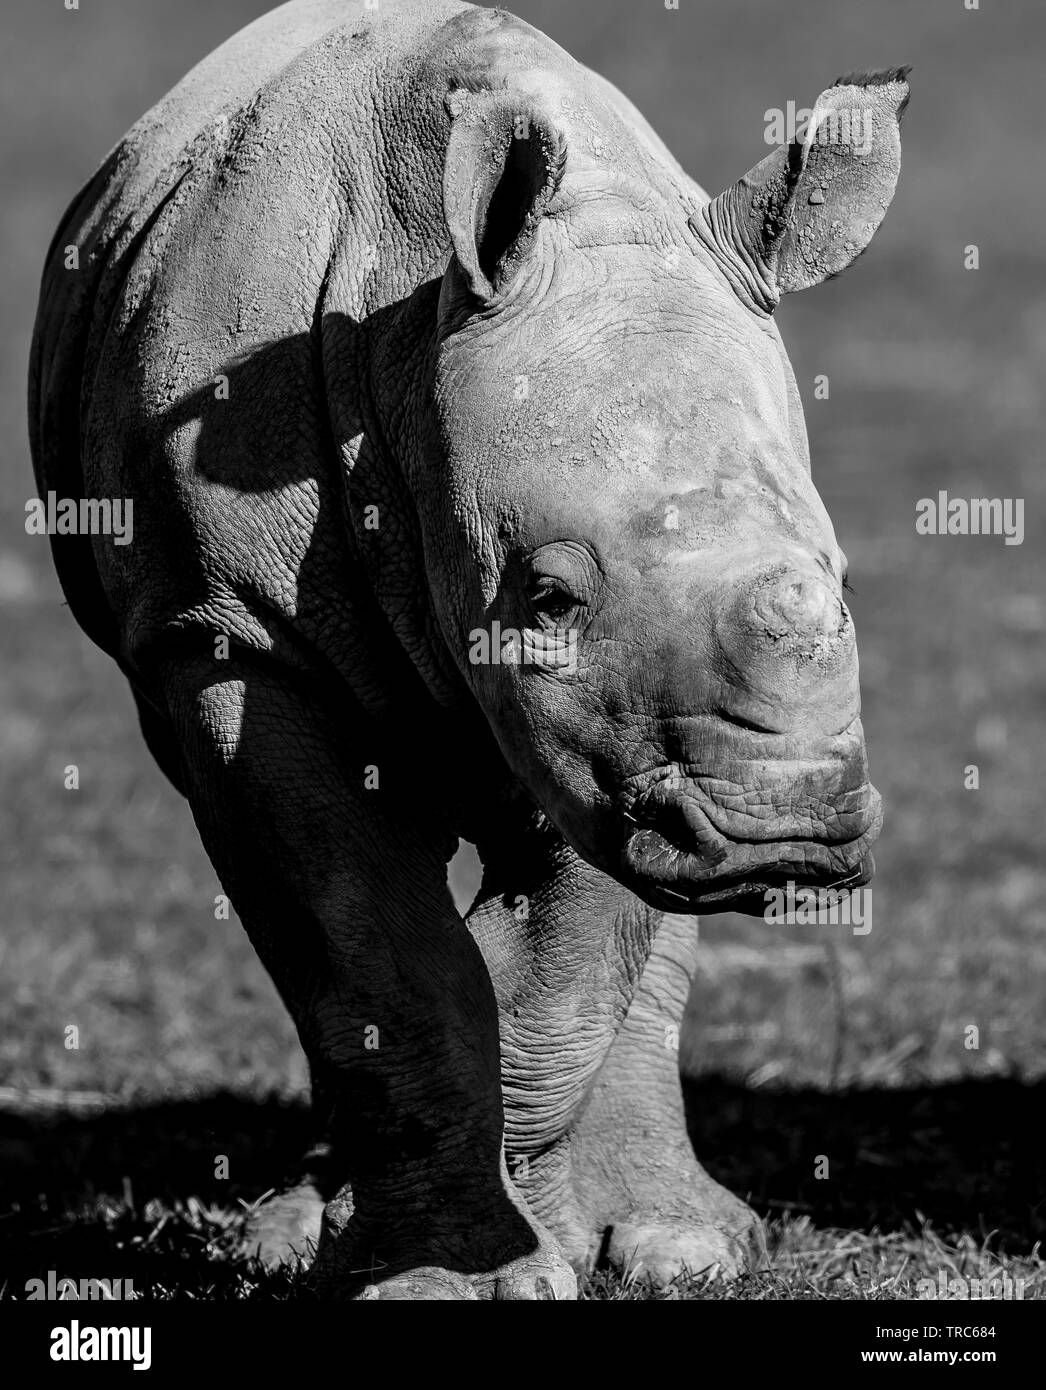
[[267, 426], [965, 1155]]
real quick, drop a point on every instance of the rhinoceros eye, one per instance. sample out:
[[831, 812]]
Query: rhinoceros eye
[[554, 604]]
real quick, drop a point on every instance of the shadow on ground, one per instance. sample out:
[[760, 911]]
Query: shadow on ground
[[966, 1156]]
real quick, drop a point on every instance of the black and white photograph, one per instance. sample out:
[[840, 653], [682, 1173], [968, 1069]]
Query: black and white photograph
[[523, 712]]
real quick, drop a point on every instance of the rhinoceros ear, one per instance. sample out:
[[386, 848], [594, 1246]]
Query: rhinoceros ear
[[810, 208], [503, 167]]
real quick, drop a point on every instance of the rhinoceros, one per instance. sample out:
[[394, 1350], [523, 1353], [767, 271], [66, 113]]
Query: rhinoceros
[[471, 501]]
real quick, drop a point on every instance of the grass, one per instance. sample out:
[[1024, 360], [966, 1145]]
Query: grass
[[192, 1250], [795, 1044]]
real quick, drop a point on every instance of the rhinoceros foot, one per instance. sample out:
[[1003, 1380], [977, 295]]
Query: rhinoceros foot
[[521, 1281], [662, 1221], [657, 1214], [430, 1284], [661, 1252], [455, 1265], [628, 1189], [542, 1276], [528, 1280], [285, 1229]]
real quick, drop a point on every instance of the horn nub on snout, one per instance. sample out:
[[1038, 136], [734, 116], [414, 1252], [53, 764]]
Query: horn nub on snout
[[790, 652], [800, 607]]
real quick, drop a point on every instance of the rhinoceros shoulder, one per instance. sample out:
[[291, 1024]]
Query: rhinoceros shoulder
[[302, 158]]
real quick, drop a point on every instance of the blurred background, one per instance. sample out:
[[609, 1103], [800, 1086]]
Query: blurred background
[[935, 383]]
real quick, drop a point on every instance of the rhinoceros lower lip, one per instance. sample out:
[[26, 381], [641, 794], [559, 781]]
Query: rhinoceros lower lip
[[697, 865], [746, 893]]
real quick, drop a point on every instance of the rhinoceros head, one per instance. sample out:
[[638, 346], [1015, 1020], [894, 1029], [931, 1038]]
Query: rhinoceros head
[[634, 569]]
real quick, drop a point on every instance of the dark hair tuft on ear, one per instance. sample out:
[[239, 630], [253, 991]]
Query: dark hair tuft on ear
[[880, 78]]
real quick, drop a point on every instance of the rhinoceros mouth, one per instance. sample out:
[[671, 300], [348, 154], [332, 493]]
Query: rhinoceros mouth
[[686, 851], [746, 894]]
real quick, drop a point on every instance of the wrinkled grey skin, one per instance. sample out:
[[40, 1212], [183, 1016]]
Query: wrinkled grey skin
[[452, 275]]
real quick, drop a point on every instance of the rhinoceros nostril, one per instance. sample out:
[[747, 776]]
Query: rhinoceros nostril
[[799, 605], [677, 819]]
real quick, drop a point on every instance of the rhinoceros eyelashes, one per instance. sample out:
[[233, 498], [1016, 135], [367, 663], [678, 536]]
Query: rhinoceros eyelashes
[[553, 603]]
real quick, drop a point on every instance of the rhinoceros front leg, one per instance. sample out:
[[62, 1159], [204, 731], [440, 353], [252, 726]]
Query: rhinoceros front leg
[[632, 1155], [346, 902], [591, 989]]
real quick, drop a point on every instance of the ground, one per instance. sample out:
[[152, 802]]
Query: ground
[[131, 1193], [800, 1043]]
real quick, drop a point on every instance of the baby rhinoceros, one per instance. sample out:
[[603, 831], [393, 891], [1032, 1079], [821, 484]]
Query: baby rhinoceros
[[471, 499]]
